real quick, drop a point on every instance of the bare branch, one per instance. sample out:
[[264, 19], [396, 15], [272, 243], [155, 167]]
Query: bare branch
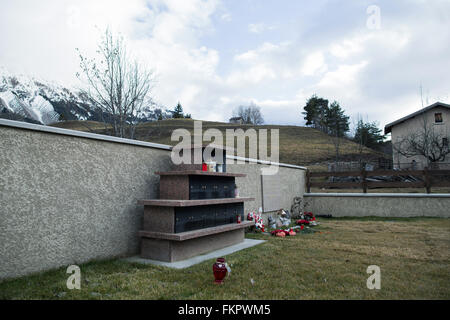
[[425, 141], [117, 85]]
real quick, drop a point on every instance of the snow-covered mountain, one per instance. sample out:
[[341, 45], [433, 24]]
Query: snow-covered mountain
[[34, 100]]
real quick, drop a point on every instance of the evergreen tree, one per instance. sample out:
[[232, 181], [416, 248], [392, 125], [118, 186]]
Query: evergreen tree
[[178, 112], [330, 119], [336, 122], [368, 134], [315, 113]]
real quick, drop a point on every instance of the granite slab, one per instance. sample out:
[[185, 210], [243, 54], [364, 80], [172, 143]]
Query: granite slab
[[200, 173], [190, 203], [182, 236], [247, 243]]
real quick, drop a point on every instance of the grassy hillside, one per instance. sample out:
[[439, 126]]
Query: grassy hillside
[[298, 145], [92, 126]]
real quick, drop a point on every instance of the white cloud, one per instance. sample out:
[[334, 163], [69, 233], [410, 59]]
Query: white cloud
[[211, 74], [41, 36], [256, 27], [314, 63], [165, 36], [343, 76], [253, 75], [260, 27], [345, 48], [226, 17], [362, 42]]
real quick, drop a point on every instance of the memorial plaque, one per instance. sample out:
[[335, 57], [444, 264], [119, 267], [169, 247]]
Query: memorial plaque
[[271, 192]]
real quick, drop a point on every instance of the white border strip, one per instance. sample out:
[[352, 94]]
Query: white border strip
[[266, 162], [380, 195], [95, 136]]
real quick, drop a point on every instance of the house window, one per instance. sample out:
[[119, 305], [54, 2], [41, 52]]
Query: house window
[[437, 117]]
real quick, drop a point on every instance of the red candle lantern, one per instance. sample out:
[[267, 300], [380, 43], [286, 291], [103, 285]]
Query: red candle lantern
[[204, 167], [220, 270]]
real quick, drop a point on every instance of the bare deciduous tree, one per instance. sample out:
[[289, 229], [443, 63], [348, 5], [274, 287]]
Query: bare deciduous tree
[[117, 85], [425, 141], [250, 114]]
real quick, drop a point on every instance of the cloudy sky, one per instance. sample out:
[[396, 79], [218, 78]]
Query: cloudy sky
[[212, 55]]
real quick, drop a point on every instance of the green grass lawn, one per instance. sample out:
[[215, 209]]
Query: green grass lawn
[[413, 255]]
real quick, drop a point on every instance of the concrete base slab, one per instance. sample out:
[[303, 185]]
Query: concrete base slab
[[247, 243]]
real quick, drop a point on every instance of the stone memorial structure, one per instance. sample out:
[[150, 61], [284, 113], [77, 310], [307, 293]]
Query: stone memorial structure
[[197, 212]]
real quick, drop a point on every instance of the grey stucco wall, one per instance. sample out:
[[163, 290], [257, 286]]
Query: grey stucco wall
[[292, 184], [380, 205], [66, 199]]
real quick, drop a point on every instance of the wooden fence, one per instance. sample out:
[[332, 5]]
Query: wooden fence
[[425, 179]]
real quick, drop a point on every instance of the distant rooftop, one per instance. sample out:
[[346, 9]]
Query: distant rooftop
[[388, 127]]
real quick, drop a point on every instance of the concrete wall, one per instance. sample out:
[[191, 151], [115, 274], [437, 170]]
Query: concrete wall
[[379, 204], [69, 197], [66, 199], [291, 181]]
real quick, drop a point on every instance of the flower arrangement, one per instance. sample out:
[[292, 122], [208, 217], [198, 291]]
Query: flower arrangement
[[304, 224], [283, 232], [257, 217], [308, 214], [306, 221], [307, 218]]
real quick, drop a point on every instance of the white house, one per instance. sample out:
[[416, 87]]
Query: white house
[[237, 120], [435, 121]]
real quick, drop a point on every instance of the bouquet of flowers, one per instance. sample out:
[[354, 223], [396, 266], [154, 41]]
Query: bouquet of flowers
[[283, 232], [307, 218], [257, 217]]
